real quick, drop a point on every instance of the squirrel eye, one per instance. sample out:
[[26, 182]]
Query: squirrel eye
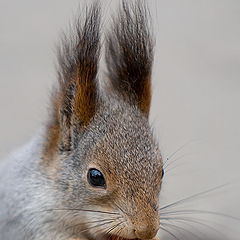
[[163, 172], [96, 178]]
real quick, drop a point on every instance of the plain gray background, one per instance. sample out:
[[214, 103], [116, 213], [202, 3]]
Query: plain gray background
[[196, 95]]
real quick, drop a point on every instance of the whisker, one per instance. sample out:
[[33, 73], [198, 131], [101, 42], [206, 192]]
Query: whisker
[[115, 227], [176, 151], [189, 211], [170, 233], [77, 209], [174, 167], [118, 232], [184, 200], [183, 229], [99, 225], [175, 160], [102, 220], [100, 230], [123, 211], [195, 220], [110, 229], [188, 224]]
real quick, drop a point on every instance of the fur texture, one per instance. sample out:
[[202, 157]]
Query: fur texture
[[44, 189], [130, 54], [74, 101]]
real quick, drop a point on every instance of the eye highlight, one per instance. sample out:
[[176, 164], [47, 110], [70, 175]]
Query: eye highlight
[[96, 178]]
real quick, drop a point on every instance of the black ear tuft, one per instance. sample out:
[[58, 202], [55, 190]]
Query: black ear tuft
[[75, 100], [129, 54], [78, 57]]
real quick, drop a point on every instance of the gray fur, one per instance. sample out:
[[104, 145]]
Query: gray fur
[[55, 201]]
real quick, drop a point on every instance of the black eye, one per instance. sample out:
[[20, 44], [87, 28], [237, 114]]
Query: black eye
[[163, 173], [96, 178]]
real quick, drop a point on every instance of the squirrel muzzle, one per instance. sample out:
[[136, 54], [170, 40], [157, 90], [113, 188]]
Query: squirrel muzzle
[[146, 227]]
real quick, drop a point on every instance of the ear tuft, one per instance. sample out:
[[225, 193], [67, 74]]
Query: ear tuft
[[75, 100], [129, 54], [78, 58]]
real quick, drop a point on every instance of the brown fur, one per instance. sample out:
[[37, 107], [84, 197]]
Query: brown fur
[[129, 55], [74, 102], [89, 128]]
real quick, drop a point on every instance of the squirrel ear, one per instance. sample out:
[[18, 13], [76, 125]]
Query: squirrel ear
[[75, 100], [129, 54]]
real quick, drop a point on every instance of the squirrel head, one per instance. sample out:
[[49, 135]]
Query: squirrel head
[[100, 151]]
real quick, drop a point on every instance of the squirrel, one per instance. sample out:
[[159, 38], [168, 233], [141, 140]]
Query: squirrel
[[94, 172]]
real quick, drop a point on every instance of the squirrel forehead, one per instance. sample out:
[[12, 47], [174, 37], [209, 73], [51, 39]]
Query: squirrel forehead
[[130, 162], [126, 141], [120, 139]]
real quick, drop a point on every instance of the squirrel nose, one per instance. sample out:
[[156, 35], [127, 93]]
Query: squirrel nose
[[146, 231]]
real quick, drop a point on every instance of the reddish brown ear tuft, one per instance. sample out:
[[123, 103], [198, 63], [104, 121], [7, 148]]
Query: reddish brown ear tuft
[[74, 102], [129, 54], [85, 98]]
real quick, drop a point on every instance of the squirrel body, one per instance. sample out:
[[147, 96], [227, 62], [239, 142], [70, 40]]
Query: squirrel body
[[95, 170]]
